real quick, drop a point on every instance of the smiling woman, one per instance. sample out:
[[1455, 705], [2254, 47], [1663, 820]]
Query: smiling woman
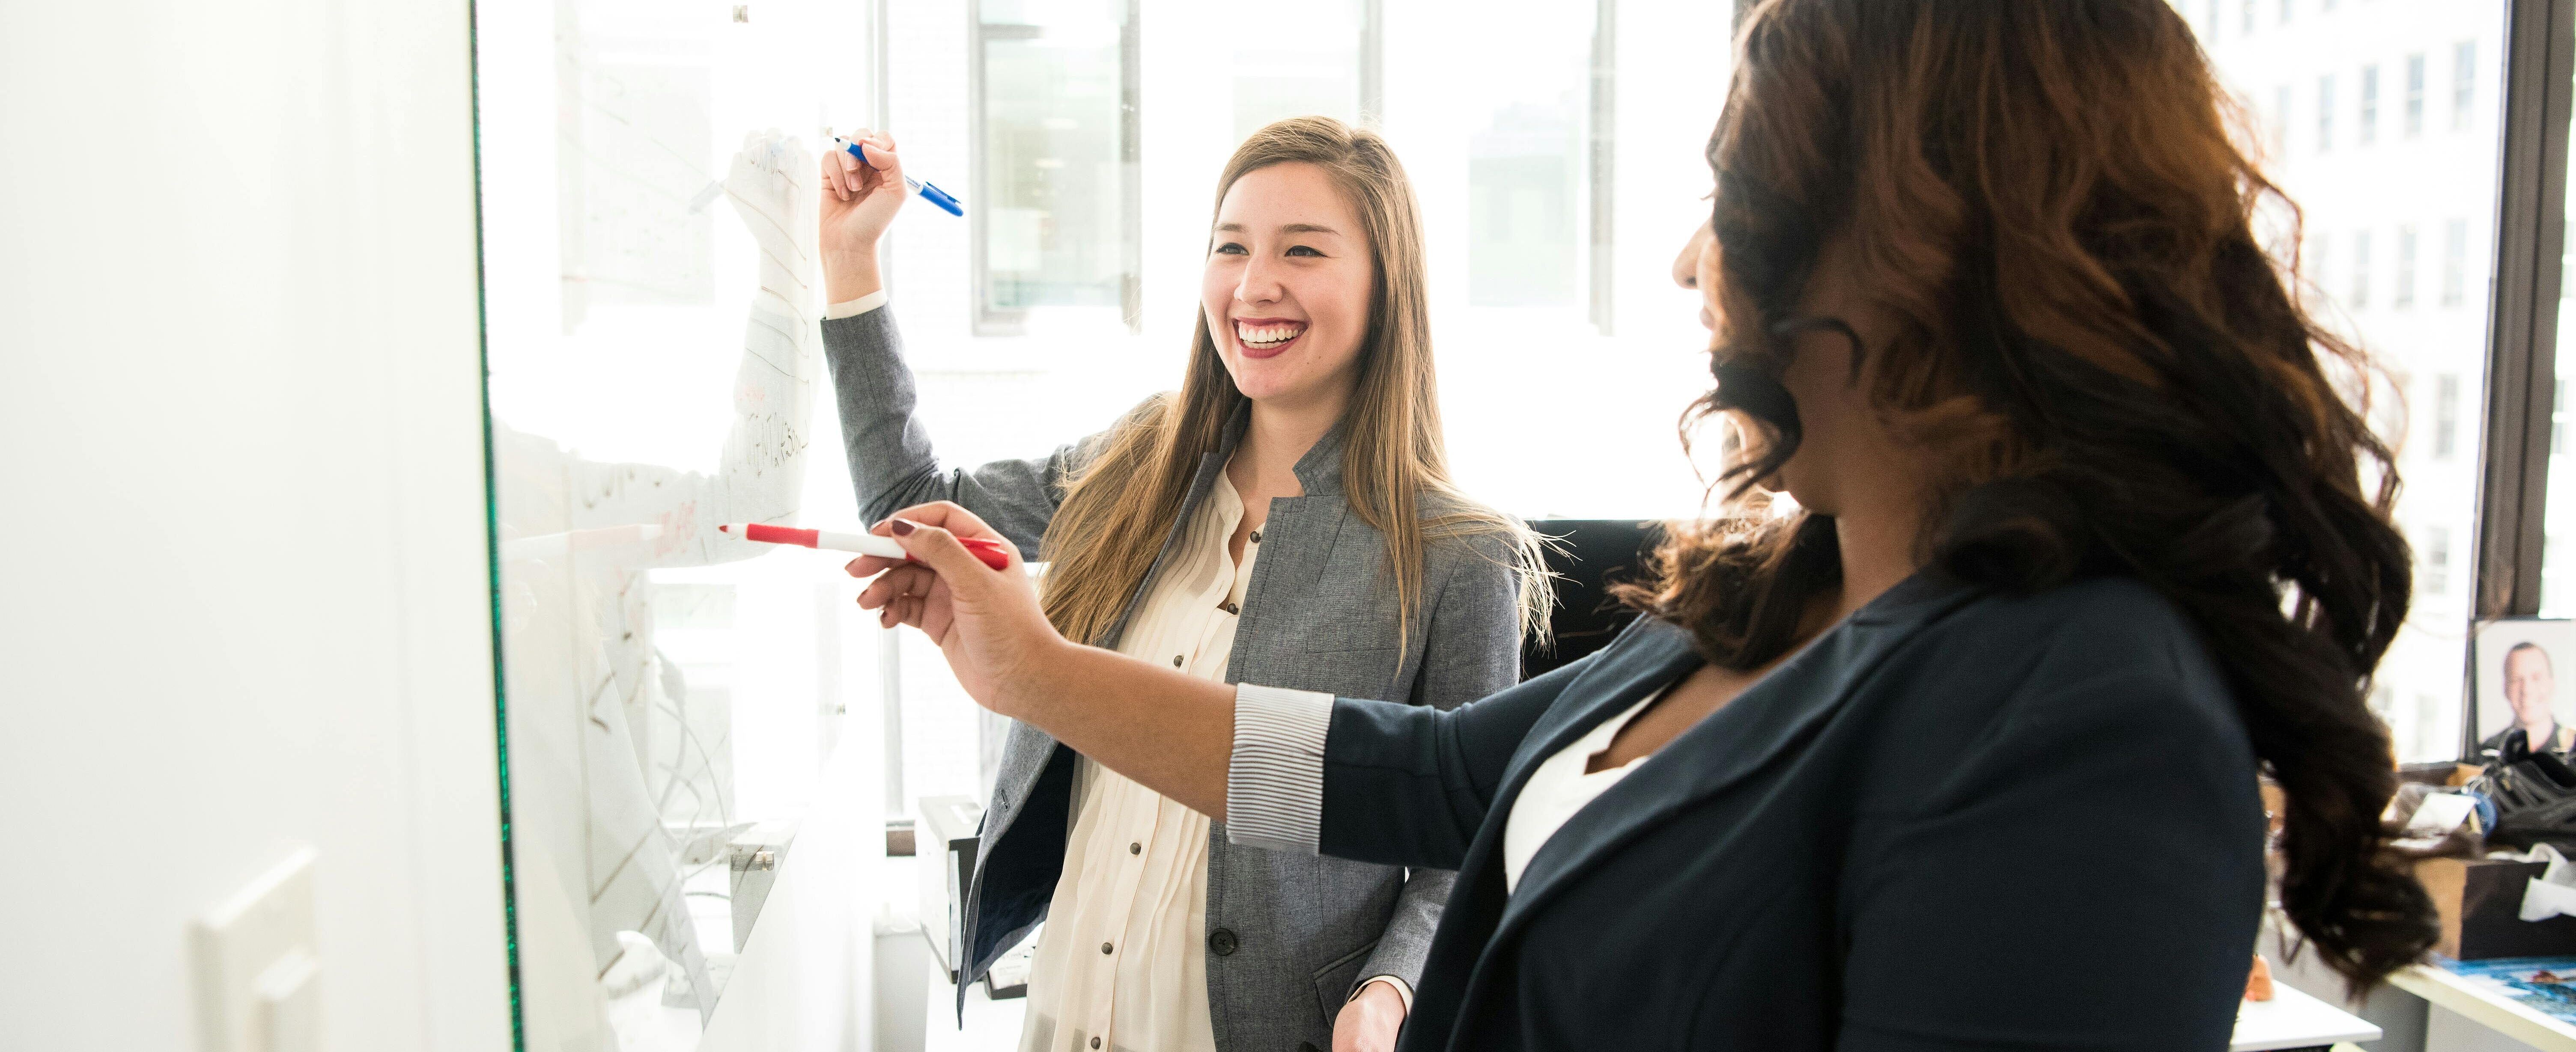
[[1286, 516]]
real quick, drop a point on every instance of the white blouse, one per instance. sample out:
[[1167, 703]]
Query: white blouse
[[1559, 788], [1120, 966]]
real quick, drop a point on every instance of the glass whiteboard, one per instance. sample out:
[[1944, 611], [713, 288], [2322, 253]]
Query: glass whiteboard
[[650, 291]]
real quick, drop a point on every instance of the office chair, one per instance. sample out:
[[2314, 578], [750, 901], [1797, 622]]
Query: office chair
[[1589, 554]]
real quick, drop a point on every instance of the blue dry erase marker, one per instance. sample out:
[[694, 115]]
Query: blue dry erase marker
[[929, 193]]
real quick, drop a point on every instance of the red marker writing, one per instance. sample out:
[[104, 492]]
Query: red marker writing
[[991, 552]]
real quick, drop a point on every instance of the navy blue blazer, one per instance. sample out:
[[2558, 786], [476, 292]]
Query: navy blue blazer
[[1958, 820]]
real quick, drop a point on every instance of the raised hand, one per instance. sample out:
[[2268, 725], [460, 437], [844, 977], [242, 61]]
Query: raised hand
[[859, 202]]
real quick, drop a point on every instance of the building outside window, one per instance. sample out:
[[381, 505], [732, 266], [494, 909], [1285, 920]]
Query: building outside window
[[2325, 112], [2464, 84], [2455, 261], [2319, 262], [2436, 561], [2414, 95], [2446, 416], [2404, 297], [2434, 433], [2281, 120], [2369, 103]]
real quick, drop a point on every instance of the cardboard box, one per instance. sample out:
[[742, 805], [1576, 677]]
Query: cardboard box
[[2481, 904]]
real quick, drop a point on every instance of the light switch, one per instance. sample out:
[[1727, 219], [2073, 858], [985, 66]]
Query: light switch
[[257, 973]]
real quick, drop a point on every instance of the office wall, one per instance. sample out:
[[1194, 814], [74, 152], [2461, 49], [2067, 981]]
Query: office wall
[[245, 598]]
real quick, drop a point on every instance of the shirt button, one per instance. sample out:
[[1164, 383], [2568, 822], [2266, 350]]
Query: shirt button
[[1135, 849], [1256, 536], [1095, 1042], [1233, 609], [1224, 942], [1176, 661], [1104, 947]]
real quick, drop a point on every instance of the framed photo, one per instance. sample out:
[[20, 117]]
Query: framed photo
[[2513, 675]]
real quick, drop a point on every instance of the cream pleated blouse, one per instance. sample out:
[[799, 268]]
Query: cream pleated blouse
[[1120, 965]]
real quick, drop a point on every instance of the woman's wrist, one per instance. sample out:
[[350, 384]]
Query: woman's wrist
[[1023, 696], [850, 274]]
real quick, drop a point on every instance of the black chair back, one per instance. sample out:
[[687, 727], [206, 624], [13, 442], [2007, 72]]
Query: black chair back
[[1590, 554]]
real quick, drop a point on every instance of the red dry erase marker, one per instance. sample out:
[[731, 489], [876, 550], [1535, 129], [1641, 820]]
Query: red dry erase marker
[[991, 552]]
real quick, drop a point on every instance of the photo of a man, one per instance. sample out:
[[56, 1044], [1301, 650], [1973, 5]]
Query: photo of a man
[[2530, 685]]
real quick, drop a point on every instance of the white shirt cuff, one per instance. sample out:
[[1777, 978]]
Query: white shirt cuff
[[856, 307], [1274, 780], [1403, 990]]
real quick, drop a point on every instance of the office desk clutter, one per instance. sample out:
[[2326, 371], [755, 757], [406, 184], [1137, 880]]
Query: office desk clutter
[[2490, 845]]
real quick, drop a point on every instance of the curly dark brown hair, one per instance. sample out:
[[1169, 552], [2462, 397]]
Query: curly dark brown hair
[[2045, 197]]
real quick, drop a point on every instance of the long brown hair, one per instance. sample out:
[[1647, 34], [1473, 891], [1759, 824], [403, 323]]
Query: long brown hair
[[2046, 196], [1118, 508]]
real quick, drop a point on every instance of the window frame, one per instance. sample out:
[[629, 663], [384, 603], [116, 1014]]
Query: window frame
[[2530, 239], [983, 320]]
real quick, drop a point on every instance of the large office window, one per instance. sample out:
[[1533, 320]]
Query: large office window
[[2376, 193], [1056, 184], [1529, 163], [1321, 63]]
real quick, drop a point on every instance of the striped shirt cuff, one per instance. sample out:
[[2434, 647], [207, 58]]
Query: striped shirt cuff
[[1274, 782]]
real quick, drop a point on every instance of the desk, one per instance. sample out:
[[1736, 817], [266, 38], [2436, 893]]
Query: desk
[[2485, 1008], [2295, 1020]]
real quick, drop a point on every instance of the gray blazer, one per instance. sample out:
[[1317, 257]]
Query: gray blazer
[[1289, 936]]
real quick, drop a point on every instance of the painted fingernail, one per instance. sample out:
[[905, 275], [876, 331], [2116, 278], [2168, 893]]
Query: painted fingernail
[[903, 527]]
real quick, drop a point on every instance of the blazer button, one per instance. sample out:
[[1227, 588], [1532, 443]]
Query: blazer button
[[1223, 942]]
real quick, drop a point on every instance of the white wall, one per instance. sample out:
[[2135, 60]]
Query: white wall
[[244, 360]]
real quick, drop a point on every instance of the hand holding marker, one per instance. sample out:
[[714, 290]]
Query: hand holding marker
[[928, 192], [991, 553]]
